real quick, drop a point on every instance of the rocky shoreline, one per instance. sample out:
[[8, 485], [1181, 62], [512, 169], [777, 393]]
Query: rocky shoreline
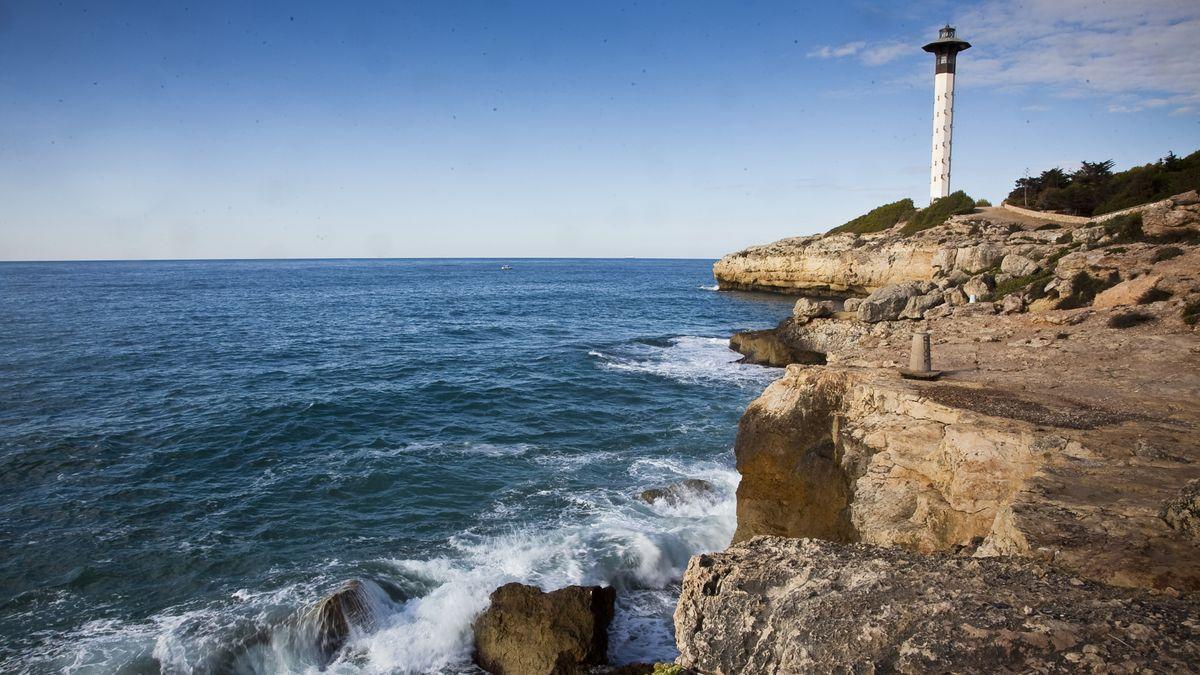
[[1036, 507]]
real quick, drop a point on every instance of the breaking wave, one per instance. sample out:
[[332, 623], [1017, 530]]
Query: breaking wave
[[687, 359]]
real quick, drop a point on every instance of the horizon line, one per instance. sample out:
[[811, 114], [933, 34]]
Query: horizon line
[[337, 259]]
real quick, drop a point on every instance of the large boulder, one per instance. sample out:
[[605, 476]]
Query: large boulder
[[528, 632], [1132, 292], [356, 605], [773, 605], [766, 348], [887, 303], [979, 286], [1018, 265], [807, 308], [917, 305]]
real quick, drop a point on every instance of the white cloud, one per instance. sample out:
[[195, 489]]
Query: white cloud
[[1136, 55], [1139, 55], [826, 52]]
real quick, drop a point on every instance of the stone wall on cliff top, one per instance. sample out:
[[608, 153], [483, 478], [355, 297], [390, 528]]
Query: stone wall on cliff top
[[852, 455], [773, 605]]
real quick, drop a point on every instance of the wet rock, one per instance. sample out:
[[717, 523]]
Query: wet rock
[[765, 348], [772, 605], [807, 308], [678, 492], [355, 605], [525, 631]]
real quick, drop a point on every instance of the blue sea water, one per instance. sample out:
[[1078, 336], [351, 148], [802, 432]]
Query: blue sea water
[[193, 452]]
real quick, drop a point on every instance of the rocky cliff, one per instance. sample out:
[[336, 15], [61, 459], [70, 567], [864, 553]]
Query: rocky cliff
[[1052, 469], [772, 605]]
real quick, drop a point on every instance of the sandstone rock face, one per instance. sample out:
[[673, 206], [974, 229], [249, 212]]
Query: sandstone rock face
[[807, 308], [1018, 265], [1130, 292], [842, 263], [854, 455], [772, 605], [765, 348], [527, 632], [888, 302]]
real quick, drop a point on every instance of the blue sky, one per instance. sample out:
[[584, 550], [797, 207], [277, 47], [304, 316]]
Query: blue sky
[[672, 129]]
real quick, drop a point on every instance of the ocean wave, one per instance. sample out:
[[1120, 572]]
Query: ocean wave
[[713, 287], [640, 548], [688, 359]]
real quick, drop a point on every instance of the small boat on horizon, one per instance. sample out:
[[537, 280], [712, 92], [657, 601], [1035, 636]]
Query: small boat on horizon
[[505, 267]]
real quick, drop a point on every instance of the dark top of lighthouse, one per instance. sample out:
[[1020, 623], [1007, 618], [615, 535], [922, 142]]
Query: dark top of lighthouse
[[946, 47], [947, 42]]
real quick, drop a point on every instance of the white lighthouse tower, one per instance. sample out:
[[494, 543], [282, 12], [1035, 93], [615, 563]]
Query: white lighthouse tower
[[944, 49]]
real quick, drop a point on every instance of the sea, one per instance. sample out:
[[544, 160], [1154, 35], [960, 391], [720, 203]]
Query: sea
[[192, 453]]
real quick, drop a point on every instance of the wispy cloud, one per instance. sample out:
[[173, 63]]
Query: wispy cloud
[[827, 52], [1137, 55], [870, 54]]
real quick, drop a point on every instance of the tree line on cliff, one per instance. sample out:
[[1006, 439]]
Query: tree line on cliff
[[1093, 189]]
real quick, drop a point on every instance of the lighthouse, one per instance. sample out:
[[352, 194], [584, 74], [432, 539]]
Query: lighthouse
[[944, 50]]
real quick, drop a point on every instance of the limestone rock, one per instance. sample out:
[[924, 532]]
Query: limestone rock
[[1183, 512], [1018, 265], [765, 348], [677, 493], [980, 286], [976, 309], [527, 632], [772, 605], [917, 305], [851, 304], [887, 303], [955, 297], [1088, 235], [1012, 304], [807, 308], [1131, 292]]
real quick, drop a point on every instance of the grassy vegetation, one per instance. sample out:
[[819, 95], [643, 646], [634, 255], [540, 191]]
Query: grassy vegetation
[[1125, 229], [1094, 189], [1128, 319], [1048, 226], [937, 212], [879, 218], [981, 203], [1034, 282]]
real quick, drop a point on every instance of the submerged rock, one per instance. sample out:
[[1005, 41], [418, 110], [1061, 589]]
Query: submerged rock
[[772, 605], [678, 492], [527, 632]]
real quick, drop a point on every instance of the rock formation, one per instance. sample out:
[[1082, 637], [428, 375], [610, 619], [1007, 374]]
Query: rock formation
[[527, 632], [677, 493], [1032, 497], [771, 605]]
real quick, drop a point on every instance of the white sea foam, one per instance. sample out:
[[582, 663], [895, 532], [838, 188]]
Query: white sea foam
[[713, 287], [640, 548], [687, 358]]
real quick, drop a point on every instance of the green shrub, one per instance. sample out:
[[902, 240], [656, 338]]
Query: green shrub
[[1191, 312], [1094, 189], [1038, 280], [1155, 295], [1128, 319], [982, 203], [1125, 229], [939, 211], [879, 218], [1084, 289], [1048, 226], [1166, 253]]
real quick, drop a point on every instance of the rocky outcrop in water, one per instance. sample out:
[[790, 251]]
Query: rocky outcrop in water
[[771, 605], [677, 493], [765, 348], [525, 631]]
